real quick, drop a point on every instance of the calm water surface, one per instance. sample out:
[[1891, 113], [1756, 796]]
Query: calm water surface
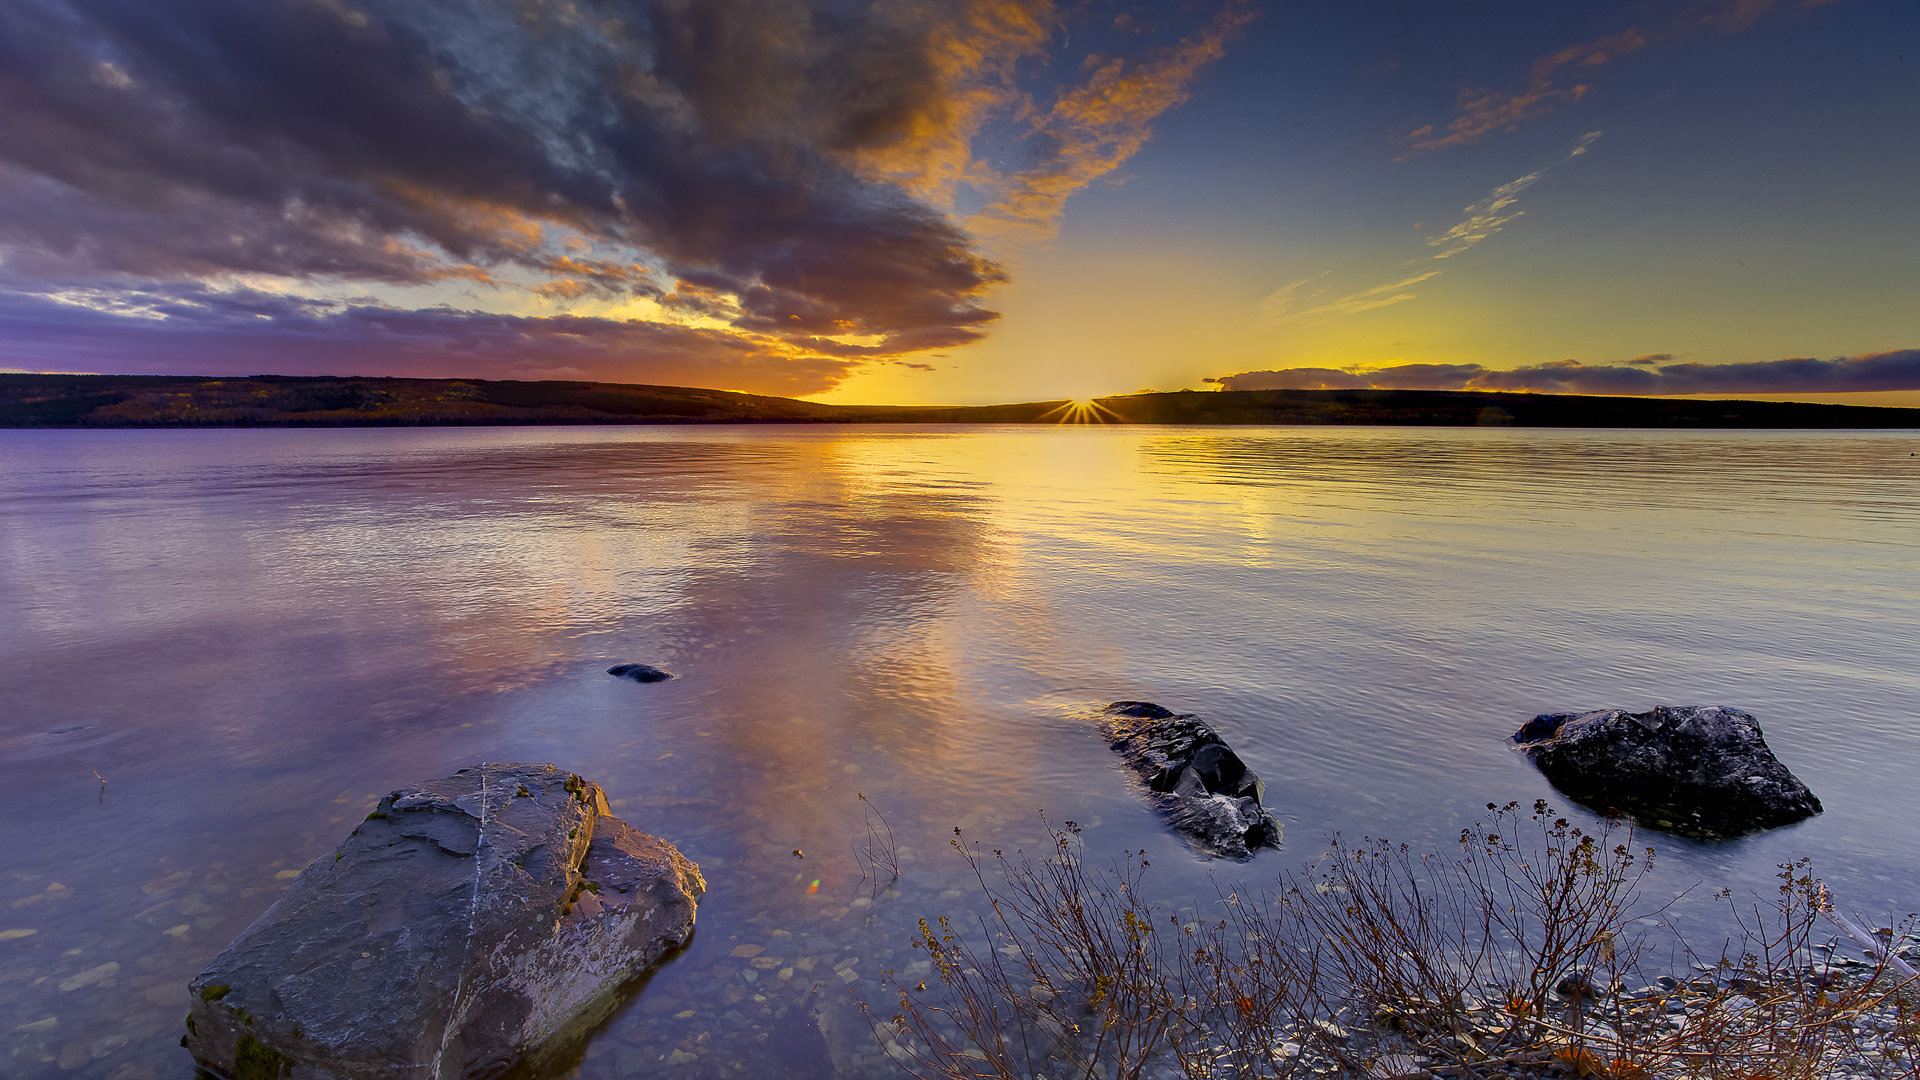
[[253, 635]]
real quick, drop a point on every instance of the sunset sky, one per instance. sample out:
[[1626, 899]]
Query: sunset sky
[[970, 200]]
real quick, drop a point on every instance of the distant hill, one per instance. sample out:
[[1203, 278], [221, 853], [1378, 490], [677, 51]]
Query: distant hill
[[1464, 408], [146, 401], [149, 401]]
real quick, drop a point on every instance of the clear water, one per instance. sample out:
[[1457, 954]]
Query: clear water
[[252, 635]]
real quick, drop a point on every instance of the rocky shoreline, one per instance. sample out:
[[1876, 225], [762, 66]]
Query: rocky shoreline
[[513, 842], [1605, 1035]]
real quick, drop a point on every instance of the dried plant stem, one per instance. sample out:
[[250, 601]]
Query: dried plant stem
[[1516, 951]]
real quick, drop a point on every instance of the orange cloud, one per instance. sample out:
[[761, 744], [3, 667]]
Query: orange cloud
[[973, 50], [578, 277], [1095, 128]]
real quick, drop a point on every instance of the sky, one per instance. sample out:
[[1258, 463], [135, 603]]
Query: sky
[[907, 201]]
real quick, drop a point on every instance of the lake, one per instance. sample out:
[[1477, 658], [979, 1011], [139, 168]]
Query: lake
[[220, 648]]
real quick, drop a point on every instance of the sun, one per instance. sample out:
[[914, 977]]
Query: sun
[[1083, 411]]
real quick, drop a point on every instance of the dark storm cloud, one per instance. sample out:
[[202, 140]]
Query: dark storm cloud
[[186, 328], [1897, 370], [412, 142], [783, 165]]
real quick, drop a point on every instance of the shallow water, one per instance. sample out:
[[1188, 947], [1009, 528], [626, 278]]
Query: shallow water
[[252, 635]]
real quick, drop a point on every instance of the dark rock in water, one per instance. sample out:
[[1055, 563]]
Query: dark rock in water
[[469, 924], [1139, 710], [640, 672], [1695, 770], [1200, 783]]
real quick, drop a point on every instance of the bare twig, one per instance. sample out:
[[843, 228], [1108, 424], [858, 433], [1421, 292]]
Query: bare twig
[[879, 853]]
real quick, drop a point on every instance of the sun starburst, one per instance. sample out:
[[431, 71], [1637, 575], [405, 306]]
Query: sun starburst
[[1083, 411]]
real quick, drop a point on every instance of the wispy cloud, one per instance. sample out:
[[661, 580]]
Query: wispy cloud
[[1277, 305], [1647, 375], [1484, 218], [1491, 214], [1379, 296], [1563, 77]]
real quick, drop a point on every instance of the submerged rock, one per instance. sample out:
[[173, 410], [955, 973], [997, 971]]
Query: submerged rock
[[640, 672], [468, 924], [1202, 785], [1695, 770]]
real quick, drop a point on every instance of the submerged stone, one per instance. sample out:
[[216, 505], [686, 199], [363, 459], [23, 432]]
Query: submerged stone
[[1201, 785], [1694, 770], [640, 672], [469, 924]]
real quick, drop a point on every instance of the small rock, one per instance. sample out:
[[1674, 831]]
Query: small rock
[[1574, 984], [1827, 974], [91, 976], [74, 1055], [1396, 1067], [640, 672]]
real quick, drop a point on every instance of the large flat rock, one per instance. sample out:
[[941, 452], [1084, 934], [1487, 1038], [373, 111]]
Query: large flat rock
[[468, 924]]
